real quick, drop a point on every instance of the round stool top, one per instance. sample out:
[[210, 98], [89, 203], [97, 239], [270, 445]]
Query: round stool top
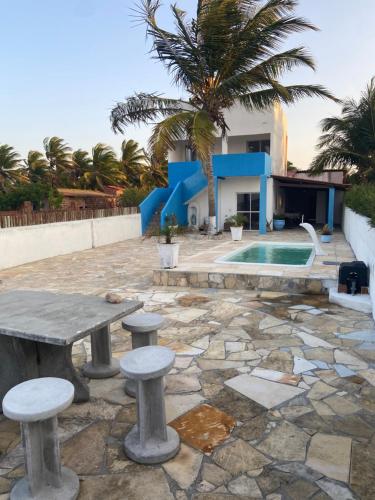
[[147, 362], [38, 399], [143, 323]]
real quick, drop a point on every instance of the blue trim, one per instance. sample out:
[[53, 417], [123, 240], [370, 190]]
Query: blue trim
[[241, 165], [217, 202], [331, 207], [263, 205], [150, 204]]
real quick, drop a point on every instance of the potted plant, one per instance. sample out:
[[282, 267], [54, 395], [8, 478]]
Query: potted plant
[[168, 250], [326, 235], [236, 223], [278, 221]]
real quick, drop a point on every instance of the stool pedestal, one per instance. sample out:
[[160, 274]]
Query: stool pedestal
[[45, 478], [150, 441], [139, 340], [35, 405], [102, 364]]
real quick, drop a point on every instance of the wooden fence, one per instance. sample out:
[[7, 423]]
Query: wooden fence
[[16, 219]]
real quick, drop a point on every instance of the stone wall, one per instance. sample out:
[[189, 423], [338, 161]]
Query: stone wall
[[236, 281]]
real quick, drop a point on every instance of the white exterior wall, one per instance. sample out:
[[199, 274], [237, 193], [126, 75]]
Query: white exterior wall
[[201, 203], [228, 190], [244, 126], [362, 240], [20, 245]]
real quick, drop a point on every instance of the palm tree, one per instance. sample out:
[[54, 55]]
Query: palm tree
[[348, 141], [59, 157], [156, 172], [10, 167], [229, 53], [104, 170], [81, 163], [36, 167], [133, 162]]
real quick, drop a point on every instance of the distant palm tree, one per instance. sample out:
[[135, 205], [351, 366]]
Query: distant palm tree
[[11, 171], [133, 162], [104, 170], [36, 167], [228, 54], [59, 156], [81, 163], [348, 141], [156, 172]]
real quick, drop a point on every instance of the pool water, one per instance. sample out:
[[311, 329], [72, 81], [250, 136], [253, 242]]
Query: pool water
[[273, 253]]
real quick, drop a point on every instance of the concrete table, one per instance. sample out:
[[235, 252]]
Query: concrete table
[[38, 329]]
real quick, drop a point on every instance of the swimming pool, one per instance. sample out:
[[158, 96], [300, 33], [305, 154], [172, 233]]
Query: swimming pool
[[272, 254]]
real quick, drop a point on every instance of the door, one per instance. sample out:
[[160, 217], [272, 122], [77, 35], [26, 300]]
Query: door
[[248, 205]]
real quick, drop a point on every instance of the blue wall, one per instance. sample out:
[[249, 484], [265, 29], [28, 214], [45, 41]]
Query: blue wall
[[176, 206], [241, 165], [179, 171], [151, 204]]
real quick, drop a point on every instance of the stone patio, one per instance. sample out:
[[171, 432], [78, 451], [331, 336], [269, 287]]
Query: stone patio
[[273, 394]]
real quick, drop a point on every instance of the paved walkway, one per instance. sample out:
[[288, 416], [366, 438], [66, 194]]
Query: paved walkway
[[273, 394]]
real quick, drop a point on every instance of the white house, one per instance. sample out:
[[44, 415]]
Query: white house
[[250, 172]]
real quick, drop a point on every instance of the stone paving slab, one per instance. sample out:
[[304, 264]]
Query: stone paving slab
[[316, 444]]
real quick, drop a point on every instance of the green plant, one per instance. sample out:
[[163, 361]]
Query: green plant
[[170, 229], [361, 199], [278, 216], [133, 197], [326, 230], [348, 141], [228, 54], [237, 220], [37, 193]]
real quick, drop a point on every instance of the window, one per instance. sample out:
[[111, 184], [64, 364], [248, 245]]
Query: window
[[263, 146], [248, 205], [190, 154]]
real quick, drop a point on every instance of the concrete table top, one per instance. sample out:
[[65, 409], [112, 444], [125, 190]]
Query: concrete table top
[[38, 399], [59, 319]]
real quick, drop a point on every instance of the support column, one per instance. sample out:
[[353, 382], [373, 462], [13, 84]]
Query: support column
[[224, 145], [102, 364], [217, 203], [331, 207], [263, 205]]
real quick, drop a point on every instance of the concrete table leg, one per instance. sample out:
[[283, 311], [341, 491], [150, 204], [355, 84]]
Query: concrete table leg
[[56, 361], [45, 478], [139, 340], [14, 367], [22, 360], [151, 441], [102, 364]]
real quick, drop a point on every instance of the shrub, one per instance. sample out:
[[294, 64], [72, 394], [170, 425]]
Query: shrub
[[37, 193], [361, 199], [133, 197]]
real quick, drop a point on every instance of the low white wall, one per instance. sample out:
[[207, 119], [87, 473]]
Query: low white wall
[[20, 245], [362, 240]]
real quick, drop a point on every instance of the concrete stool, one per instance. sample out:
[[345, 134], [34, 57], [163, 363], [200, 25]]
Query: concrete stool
[[36, 403], [102, 364], [151, 441], [144, 330]]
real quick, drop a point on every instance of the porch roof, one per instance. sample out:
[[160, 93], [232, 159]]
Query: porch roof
[[311, 183]]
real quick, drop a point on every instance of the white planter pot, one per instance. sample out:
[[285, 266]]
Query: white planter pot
[[236, 233], [168, 254]]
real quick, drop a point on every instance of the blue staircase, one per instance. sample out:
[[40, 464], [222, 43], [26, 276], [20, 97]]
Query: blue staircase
[[186, 180]]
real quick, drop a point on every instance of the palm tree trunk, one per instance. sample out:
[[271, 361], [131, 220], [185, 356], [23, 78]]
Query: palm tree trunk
[[207, 167]]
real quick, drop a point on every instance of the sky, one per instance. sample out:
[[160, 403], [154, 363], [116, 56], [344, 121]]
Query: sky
[[64, 64]]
